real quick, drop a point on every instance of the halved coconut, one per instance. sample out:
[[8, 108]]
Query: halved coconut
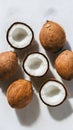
[[36, 64], [53, 93], [19, 35]]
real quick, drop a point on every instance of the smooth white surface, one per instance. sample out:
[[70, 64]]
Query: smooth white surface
[[36, 116], [16, 39]]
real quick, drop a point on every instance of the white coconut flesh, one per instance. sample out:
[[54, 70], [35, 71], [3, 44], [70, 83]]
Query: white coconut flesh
[[20, 35], [53, 93], [36, 64]]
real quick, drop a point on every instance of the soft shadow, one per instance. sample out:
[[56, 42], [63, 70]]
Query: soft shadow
[[4, 84], [50, 11], [30, 113], [31, 48], [37, 82], [69, 86], [61, 112], [67, 46], [53, 56]]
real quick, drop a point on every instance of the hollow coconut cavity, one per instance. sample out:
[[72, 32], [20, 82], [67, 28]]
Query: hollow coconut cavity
[[19, 35], [36, 64], [53, 93]]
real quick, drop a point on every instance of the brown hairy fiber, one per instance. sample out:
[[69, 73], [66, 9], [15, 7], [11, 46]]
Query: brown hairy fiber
[[20, 93], [52, 36], [64, 65], [8, 64]]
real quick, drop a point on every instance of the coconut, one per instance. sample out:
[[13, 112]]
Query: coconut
[[52, 36], [8, 64], [64, 65], [19, 93], [19, 35], [53, 93], [36, 64]]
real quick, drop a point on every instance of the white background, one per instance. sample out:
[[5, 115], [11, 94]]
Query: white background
[[36, 116]]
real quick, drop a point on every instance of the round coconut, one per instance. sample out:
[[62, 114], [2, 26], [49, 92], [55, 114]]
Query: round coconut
[[64, 65], [8, 64], [19, 93], [52, 36]]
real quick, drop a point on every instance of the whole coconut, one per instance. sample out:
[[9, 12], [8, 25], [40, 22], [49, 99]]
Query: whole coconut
[[19, 93], [64, 65], [52, 36], [8, 64]]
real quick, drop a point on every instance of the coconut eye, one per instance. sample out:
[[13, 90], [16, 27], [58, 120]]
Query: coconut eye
[[36, 64], [53, 93], [19, 35]]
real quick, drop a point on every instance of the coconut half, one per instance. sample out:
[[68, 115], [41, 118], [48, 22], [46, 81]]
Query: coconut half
[[36, 64], [19, 35], [53, 93]]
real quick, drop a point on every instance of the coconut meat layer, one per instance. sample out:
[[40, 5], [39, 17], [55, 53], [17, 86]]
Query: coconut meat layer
[[20, 35], [36, 64], [53, 93]]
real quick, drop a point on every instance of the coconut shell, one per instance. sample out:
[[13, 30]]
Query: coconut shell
[[64, 65], [8, 64], [9, 29], [39, 54], [20, 93], [53, 79], [52, 36]]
